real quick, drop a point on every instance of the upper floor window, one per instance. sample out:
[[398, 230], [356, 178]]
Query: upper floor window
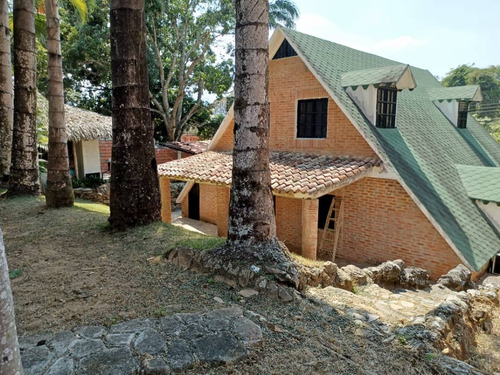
[[285, 50], [312, 118], [386, 107], [463, 110]]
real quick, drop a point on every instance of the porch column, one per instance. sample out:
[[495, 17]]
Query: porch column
[[166, 203], [310, 228]]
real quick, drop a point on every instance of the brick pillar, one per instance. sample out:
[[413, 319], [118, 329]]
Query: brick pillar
[[310, 228], [166, 203]]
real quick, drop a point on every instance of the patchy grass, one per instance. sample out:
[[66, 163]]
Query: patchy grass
[[91, 206], [308, 262]]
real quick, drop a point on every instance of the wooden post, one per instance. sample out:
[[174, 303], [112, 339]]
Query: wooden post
[[166, 203], [310, 228]]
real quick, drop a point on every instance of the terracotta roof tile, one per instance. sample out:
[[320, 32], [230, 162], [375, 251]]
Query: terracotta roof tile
[[294, 174]]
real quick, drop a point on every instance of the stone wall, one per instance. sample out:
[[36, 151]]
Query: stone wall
[[99, 194]]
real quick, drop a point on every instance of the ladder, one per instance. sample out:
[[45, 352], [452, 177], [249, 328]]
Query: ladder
[[335, 215]]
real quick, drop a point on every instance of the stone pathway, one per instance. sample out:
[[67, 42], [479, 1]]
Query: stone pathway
[[147, 346], [193, 225]]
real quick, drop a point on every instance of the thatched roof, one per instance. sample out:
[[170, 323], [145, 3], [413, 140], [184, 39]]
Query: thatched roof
[[81, 125]]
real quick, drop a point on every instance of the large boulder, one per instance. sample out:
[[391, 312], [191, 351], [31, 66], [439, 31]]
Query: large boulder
[[458, 279]]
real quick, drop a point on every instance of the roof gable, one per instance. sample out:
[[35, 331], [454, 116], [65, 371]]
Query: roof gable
[[423, 149]]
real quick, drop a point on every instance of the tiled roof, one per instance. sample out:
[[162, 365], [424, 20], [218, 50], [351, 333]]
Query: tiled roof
[[293, 174], [192, 147], [424, 147], [376, 76], [469, 92], [481, 183]]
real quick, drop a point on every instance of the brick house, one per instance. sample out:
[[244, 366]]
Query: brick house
[[371, 160]]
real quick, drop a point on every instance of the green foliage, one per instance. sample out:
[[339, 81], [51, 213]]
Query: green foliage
[[207, 130], [15, 273], [90, 182]]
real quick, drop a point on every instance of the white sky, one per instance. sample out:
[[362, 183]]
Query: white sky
[[437, 35]]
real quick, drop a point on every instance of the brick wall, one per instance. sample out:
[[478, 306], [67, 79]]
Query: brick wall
[[289, 222], [289, 81], [208, 203], [162, 154], [105, 153], [382, 222], [222, 210]]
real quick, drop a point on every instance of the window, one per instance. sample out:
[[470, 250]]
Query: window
[[324, 204], [285, 50], [312, 118], [386, 107], [463, 110]]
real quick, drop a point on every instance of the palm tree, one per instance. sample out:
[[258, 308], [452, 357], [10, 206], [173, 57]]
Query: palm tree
[[252, 226], [135, 195], [9, 347], [6, 110], [282, 12], [24, 170], [59, 192]]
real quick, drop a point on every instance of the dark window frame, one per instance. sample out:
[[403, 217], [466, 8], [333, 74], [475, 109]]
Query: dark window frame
[[463, 111], [312, 118], [387, 99], [285, 50]]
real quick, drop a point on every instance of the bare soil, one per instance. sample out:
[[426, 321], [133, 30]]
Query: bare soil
[[75, 272]]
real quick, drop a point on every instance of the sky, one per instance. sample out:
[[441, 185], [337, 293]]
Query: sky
[[436, 35]]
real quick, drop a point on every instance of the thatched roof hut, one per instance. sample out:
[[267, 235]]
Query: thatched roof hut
[[81, 125]]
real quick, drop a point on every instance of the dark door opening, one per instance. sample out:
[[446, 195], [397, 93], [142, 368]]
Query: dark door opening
[[194, 202]]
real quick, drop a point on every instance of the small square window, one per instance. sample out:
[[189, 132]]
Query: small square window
[[312, 118], [386, 107], [463, 110]]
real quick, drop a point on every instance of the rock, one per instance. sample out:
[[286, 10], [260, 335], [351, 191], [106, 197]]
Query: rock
[[91, 332], [220, 348], [185, 257], [218, 324], [387, 273], [247, 293], [330, 269], [35, 360], [135, 326], [149, 341], [407, 304], [171, 325], [119, 339], [63, 366], [218, 299], [84, 348], [29, 341], [459, 278], [248, 331], [62, 341], [284, 295], [155, 366], [414, 277], [119, 361], [192, 331], [343, 280], [179, 355], [357, 275]]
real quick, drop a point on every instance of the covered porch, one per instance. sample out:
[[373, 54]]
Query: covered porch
[[302, 187]]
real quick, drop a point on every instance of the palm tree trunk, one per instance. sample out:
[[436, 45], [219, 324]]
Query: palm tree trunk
[[10, 363], [59, 191], [6, 110], [135, 194], [24, 169], [251, 214]]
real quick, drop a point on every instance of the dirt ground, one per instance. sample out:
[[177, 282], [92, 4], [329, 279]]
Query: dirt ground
[[75, 272]]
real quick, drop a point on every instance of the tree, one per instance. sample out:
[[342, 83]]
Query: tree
[[24, 170], [135, 195], [59, 191], [282, 12], [9, 347], [252, 225]]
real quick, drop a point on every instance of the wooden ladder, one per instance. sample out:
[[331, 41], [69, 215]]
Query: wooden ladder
[[335, 215]]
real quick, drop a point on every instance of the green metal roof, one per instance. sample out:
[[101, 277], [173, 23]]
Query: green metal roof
[[385, 75], [469, 93], [481, 183], [423, 149]]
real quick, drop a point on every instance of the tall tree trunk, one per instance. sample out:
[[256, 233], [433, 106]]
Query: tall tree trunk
[[10, 360], [251, 214], [59, 190], [24, 170], [135, 195], [6, 110]]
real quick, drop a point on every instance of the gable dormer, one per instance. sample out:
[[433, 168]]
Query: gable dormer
[[375, 91], [454, 102], [285, 50]]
